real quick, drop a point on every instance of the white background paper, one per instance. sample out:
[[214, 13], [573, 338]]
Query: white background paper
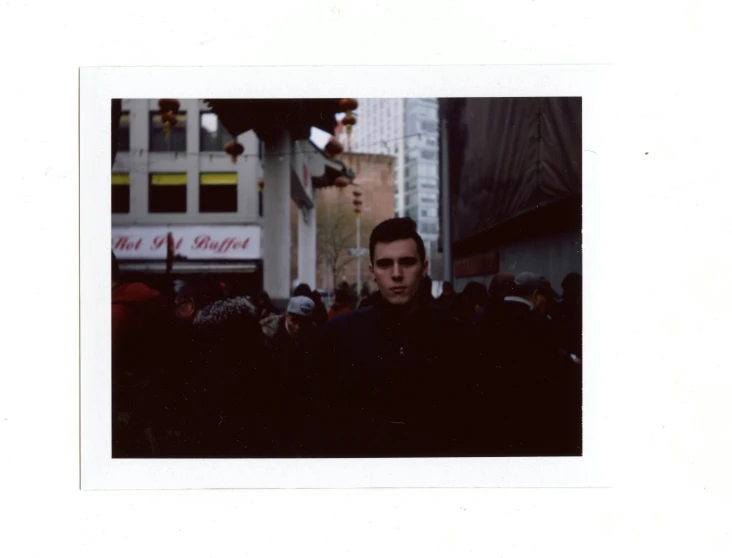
[[656, 235]]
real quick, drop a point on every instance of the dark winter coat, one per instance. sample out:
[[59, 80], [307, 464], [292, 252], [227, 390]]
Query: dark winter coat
[[396, 385], [218, 386], [539, 409]]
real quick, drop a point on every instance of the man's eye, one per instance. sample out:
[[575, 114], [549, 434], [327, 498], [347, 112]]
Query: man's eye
[[383, 265]]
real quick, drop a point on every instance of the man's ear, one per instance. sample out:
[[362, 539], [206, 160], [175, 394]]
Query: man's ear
[[425, 267], [371, 271]]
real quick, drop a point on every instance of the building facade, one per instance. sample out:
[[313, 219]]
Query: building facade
[[512, 187], [408, 130], [336, 220]]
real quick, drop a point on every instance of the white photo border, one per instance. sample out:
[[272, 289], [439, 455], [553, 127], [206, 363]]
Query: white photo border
[[99, 85]]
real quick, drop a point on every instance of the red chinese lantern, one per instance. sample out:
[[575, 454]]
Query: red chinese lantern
[[357, 193], [169, 105], [333, 148], [341, 182], [234, 148], [357, 202], [357, 210], [348, 104]]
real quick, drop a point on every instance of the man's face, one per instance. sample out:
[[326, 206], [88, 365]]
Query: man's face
[[298, 327], [185, 309], [397, 270]]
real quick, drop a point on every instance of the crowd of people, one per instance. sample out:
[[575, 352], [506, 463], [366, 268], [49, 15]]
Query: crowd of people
[[490, 371]]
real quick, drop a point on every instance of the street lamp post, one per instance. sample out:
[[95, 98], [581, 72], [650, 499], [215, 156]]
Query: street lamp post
[[358, 254]]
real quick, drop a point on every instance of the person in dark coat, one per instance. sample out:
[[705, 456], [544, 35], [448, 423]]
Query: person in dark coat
[[394, 374], [470, 303], [541, 392], [568, 316], [264, 305], [447, 297], [140, 324], [210, 403], [341, 304], [321, 314], [292, 341]]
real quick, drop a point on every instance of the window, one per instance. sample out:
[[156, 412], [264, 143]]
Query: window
[[429, 171], [428, 228], [428, 154], [213, 135], [428, 212], [412, 199], [120, 193], [176, 140], [411, 182], [167, 193], [431, 142], [217, 192], [428, 198], [123, 141], [412, 213], [428, 126]]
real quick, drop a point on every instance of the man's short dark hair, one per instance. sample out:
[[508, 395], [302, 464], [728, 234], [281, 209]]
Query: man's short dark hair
[[391, 230]]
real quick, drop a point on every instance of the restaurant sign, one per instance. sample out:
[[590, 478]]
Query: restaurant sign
[[189, 242]]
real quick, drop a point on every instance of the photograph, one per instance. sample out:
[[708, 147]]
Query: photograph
[[296, 278]]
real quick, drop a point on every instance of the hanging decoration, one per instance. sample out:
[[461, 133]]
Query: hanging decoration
[[260, 185], [348, 105], [168, 109], [341, 182], [357, 203], [234, 149], [333, 148]]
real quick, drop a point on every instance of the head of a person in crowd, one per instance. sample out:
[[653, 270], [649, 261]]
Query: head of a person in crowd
[[365, 290], [398, 263], [303, 289], [536, 289], [572, 287], [501, 286], [299, 317], [191, 295], [447, 289], [342, 297], [315, 295], [263, 300]]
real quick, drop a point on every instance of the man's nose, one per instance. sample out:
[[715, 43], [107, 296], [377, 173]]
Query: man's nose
[[396, 271]]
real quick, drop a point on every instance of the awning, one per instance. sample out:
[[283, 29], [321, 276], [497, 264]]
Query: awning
[[189, 267]]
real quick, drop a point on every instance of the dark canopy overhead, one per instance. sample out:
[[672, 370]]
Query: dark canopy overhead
[[267, 117]]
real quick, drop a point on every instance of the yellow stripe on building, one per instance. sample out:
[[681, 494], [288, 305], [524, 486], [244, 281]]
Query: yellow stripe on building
[[218, 178], [120, 179], [170, 179]]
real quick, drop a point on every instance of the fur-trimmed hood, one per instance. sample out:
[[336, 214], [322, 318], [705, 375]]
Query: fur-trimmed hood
[[222, 311]]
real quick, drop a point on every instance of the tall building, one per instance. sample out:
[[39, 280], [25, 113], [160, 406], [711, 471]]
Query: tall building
[[408, 130]]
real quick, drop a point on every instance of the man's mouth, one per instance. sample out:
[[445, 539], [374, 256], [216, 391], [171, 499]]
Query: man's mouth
[[398, 290]]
